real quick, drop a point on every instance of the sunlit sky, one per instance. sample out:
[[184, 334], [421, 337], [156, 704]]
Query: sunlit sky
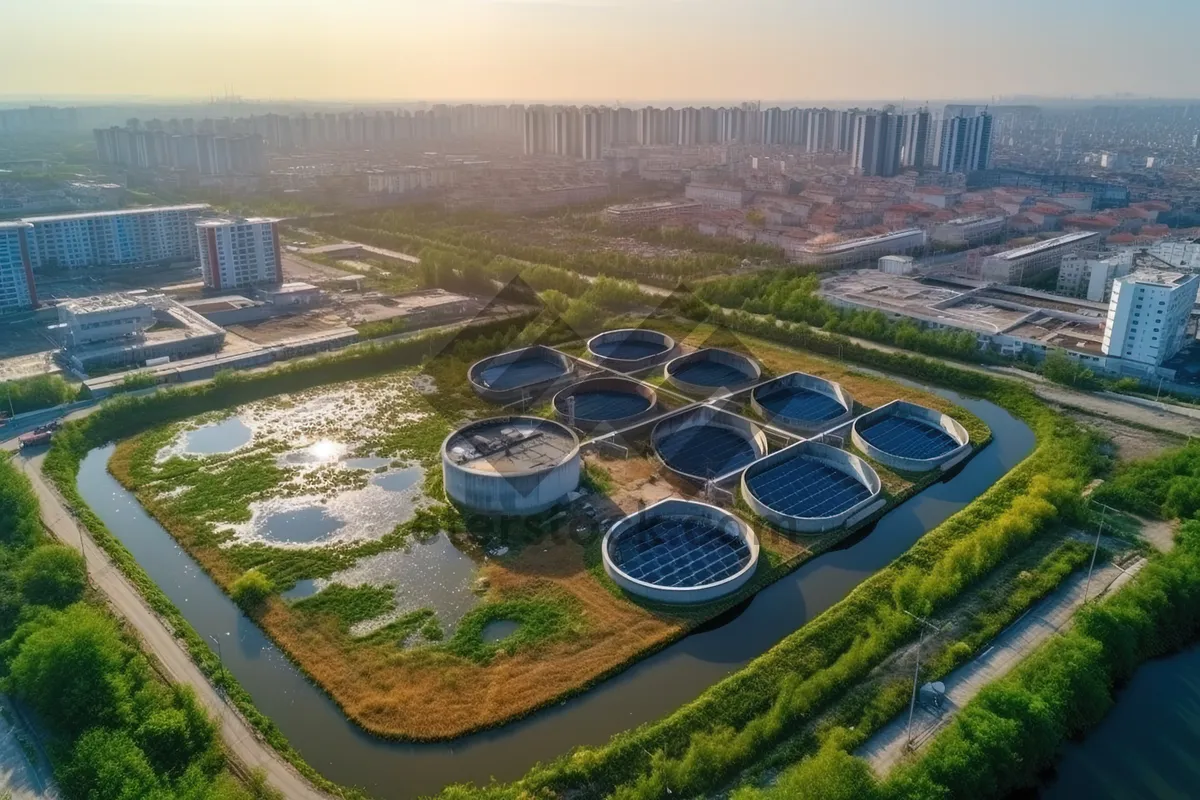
[[599, 50]]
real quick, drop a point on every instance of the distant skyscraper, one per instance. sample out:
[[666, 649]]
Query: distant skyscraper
[[964, 139], [590, 134], [917, 139], [877, 144]]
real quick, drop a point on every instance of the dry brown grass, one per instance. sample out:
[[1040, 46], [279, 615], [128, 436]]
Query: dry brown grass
[[427, 693]]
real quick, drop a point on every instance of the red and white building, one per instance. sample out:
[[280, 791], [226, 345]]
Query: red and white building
[[239, 252], [17, 290]]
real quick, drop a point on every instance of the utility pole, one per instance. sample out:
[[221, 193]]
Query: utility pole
[[1095, 549], [220, 656], [912, 706]]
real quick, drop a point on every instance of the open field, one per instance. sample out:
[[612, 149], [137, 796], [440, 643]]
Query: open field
[[403, 661]]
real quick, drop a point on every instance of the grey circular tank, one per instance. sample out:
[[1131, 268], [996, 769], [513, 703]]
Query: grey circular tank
[[711, 370], [802, 402], [680, 551], [510, 466], [702, 443], [630, 349], [811, 487], [911, 438], [525, 372], [605, 403]]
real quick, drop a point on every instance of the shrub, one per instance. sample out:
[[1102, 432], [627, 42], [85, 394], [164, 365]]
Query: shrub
[[251, 590], [53, 575], [108, 765]]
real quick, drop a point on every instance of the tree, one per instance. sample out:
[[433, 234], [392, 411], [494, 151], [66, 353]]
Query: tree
[[70, 666], [172, 738], [251, 590], [108, 765], [53, 575]]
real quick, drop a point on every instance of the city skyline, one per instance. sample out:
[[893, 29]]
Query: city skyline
[[597, 50]]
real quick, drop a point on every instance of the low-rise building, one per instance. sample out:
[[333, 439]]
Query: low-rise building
[[968, 231], [855, 251], [1025, 266], [718, 196], [1090, 276], [654, 212]]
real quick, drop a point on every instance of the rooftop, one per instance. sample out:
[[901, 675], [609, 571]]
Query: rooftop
[[653, 204], [1048, 244], [837, 247], [102, 302], [224, 222], [1157, 277], [117, 213], [509, 445]]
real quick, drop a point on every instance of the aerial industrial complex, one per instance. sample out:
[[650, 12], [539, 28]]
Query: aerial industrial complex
[[782, 443]]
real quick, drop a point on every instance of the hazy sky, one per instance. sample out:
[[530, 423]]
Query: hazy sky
[[609, 50]]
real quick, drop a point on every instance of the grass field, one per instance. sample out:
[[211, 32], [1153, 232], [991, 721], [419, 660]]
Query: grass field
[[412, 677]]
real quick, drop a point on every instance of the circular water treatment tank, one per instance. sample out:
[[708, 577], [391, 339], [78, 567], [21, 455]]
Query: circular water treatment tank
[[680, 551], [811, 487], [630, 349], [802, 402], [703, 443], [509, 376], [510, 466], [605, 403], [910, 438], [710, 370]]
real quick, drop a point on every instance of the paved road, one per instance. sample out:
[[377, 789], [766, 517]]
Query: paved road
[[157, 639], [890, 744]]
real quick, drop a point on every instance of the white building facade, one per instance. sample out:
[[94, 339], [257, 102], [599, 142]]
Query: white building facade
[[1147, 317], [129, 237], [239, 252], [17, 290], [1091, 277]]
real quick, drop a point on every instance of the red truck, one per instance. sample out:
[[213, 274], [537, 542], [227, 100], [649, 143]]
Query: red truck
[[35, 439]]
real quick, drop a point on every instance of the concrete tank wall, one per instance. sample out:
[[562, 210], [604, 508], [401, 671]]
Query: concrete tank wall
[[707, 415], [524, 493], [834, 457], [903, 408], [606, 384], [742, 363], [510, 395], [802, 380], [633, 335], [690, 594]]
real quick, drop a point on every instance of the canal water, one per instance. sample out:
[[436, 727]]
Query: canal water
[[646, 691], [1148, 746]]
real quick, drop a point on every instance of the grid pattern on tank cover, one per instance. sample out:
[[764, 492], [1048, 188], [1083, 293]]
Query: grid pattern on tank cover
[[908, 438], [800, 404], [628, 349], [521, 372], [706, 450], [607, 404], [679, 551], [710, 373], [805, 487]]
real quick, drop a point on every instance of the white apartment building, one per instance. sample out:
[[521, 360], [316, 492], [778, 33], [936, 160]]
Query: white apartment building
[[410, 179], [718, 196], [1026, 265], [239, 252], [17, 289], [1180, 253], [128, 237], [1090, 277], [854, 251], [967, 230], [1147, 317]]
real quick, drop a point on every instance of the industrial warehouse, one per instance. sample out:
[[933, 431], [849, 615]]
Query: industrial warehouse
[[796, 448]]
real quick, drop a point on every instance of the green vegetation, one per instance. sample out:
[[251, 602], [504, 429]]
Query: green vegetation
[[1167, 486], [1058, 367], [33, 394], [791, 295], [350, 604], [116, 730], [541, 616], [251, 590]]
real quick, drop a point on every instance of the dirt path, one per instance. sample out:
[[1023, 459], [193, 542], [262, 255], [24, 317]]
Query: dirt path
[[890, 744], [157, 640]]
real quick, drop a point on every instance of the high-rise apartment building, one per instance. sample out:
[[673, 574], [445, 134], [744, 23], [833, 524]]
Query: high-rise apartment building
[[239, 252], [591, 134], [878, 142], [129, 237], [1148, 314], [918, 139], [17, 290], [964, 139]]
